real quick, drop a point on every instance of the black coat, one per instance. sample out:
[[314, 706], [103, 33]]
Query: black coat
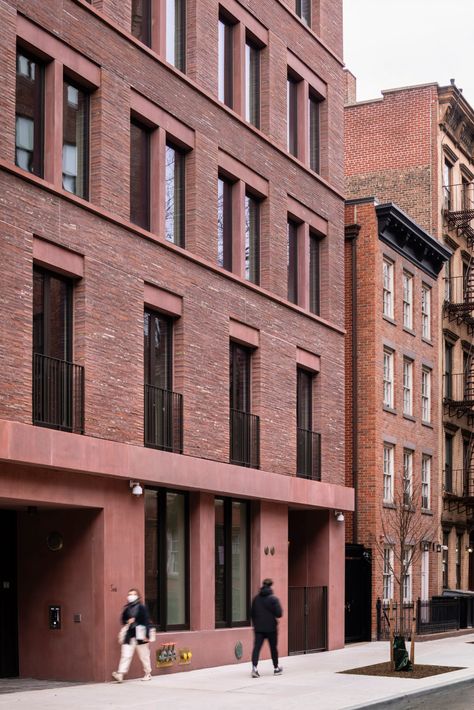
[[139, 612], [266, 609]]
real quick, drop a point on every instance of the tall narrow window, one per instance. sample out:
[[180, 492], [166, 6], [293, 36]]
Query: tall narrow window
[[407, 476], [447, 280], [239, 377], [314, 274], [292, 114], [387, 573], [166, 558], [388, 288], [445, 559], [75, 140], [407, 387], [426, 482], [314, 107], [225, 64], [304, 400], [29, 113], [459, 548], [252, 83], [141, 20], [52, 315], [448, 369], [175, 195], [303, 10], [158, 350], [224, 223], [252, 239], [407, 574], [388, 378], [426, 311], [426, 394], [447, 184], [448, 463], [388, 456], [244, 426], [139, 175], [176, 33], [308, 460], [232, 558], [407, 300], [292, 261]]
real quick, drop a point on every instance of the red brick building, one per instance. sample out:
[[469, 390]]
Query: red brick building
[[171, 325], [414, 146]]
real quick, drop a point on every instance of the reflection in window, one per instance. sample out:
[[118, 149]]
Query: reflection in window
[[231, 562], [225, 62], [29, 118], [252, 84], [252, 239], [314, 106], [139, 175], [141, 20], [75, 140], [176, 33], [292, 261], [292, 115], [175, 195], [303, 10], [314, 274], [224, 223]]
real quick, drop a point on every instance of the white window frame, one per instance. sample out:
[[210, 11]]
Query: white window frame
[[407, 300], [387, 297], [408, 386], [387, 583], [388, 459], [426, 481], [388, 384], [426, 312], [408, 578], [426, 394], [408, 455]]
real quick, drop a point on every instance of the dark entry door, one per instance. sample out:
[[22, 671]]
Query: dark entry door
[[358, 593], [307, 619], [8, 596]]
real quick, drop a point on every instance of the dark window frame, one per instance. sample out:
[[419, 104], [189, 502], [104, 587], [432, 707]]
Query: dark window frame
[[162, 625], [292, 260], [314, 131], [179, 37], [293, 82], [227, 58], [145, 34], [253, 249], [155, 314], [145, 173], [182, 153], [46, 275], [86, 128], [39, 109], [304, 11], [304, 391], [233, 382], [227, 222], [314, 273], [253, 113], [228, 623]]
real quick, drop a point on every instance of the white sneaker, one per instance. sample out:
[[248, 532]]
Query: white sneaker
[[117, 676], [147, 676]]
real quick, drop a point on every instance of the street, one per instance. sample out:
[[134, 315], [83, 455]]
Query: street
[[457, 698]]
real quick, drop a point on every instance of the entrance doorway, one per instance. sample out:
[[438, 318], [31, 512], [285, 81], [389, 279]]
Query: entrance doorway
[[307, 619], [358, 594], [8, 595]]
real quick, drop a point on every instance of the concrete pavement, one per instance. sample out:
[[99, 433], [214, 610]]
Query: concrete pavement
[[310, 681]]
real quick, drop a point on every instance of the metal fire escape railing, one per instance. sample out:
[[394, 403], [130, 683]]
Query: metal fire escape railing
[[458, 393], [458, 209]]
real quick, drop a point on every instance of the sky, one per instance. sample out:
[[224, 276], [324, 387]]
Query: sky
[[392, 43]]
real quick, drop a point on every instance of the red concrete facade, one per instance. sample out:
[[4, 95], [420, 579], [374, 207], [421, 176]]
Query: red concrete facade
[[78, 485]]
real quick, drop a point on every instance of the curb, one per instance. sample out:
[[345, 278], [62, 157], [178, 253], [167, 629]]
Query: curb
[[394, 699]]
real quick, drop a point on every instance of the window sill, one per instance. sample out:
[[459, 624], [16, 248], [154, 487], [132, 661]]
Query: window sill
[[428, 341], [389, 410], [390, 506], [410, 331], [427, 424], [389, 319], [410, 417], [426, 511]]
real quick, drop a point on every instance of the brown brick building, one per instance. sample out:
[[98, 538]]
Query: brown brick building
[[171, 325], [415, 146]]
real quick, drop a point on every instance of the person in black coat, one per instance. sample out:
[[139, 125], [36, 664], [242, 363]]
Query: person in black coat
[[266, 609], [136, 619]]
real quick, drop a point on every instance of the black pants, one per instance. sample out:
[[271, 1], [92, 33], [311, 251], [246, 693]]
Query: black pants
[[258, 643]]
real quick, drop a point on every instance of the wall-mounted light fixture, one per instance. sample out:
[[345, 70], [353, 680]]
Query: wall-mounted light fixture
[[469, 549], [137, 490], [339, 515]]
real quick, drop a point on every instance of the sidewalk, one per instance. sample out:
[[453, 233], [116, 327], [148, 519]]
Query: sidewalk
[[307, 682]]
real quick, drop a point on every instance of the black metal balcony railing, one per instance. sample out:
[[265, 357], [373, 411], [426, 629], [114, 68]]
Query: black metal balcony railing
[[163, 419], [458, 393], [244, 439], [459, 294], [458, 209], [454, 481], [58, 394], [308, 454]]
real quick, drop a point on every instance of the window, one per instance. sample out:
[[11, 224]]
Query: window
[[75, 140], [447, 184], [388, 456], [448, 369], [388, 288], [407, 300], [224, 223], [29, 113], [407, 476], [426, 312], [387, 573], [166, 558], [232, 562], [303, 10], [176, 33], [292, 260], [445, 559], [240, 358], [244, 426], [426, 482], [407, 574], [175, 195], [158, 350], [447, 280], [139, 175], [252, 239], [388, 378], [448, 463], [225, 65], [52, 315], [459, 538], [407, 387], [141, 20], [308, 457], [314, 107], [426, 394], [292, 114], [252, 83], [304, 400], [314, 276]]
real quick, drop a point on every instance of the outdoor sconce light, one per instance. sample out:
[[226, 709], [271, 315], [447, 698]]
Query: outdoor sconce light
[[469, 549], [437, 546], [424, 546], [339, 515], [137, 490], [444, 547]]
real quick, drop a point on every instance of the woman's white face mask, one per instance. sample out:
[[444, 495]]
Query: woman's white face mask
[[132, 598]]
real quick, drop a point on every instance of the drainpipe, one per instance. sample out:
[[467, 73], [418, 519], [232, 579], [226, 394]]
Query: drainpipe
[[351, 233]]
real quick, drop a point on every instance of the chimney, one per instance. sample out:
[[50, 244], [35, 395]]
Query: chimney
[[351, 87]]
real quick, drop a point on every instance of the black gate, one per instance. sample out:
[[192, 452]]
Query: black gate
[[358, 594], [8, 596], [307, 619]]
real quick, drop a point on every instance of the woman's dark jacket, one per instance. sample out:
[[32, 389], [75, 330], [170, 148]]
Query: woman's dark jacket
[[266, 609], [139, 612]]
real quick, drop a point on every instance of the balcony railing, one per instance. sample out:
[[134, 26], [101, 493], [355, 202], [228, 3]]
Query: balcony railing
[[308, 455], [458, 209], [58, 394], [163, 419], [459, 483], [244, 439], [459, 294], [458, 393]]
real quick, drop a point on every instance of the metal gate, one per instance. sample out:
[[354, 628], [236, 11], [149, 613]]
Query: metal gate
[[307, 619], [358, 594]]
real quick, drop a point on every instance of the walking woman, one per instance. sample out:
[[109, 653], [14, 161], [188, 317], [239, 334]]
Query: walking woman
[[136, 635]]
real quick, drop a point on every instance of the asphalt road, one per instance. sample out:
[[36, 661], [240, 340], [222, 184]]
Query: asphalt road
[[454, 698]]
